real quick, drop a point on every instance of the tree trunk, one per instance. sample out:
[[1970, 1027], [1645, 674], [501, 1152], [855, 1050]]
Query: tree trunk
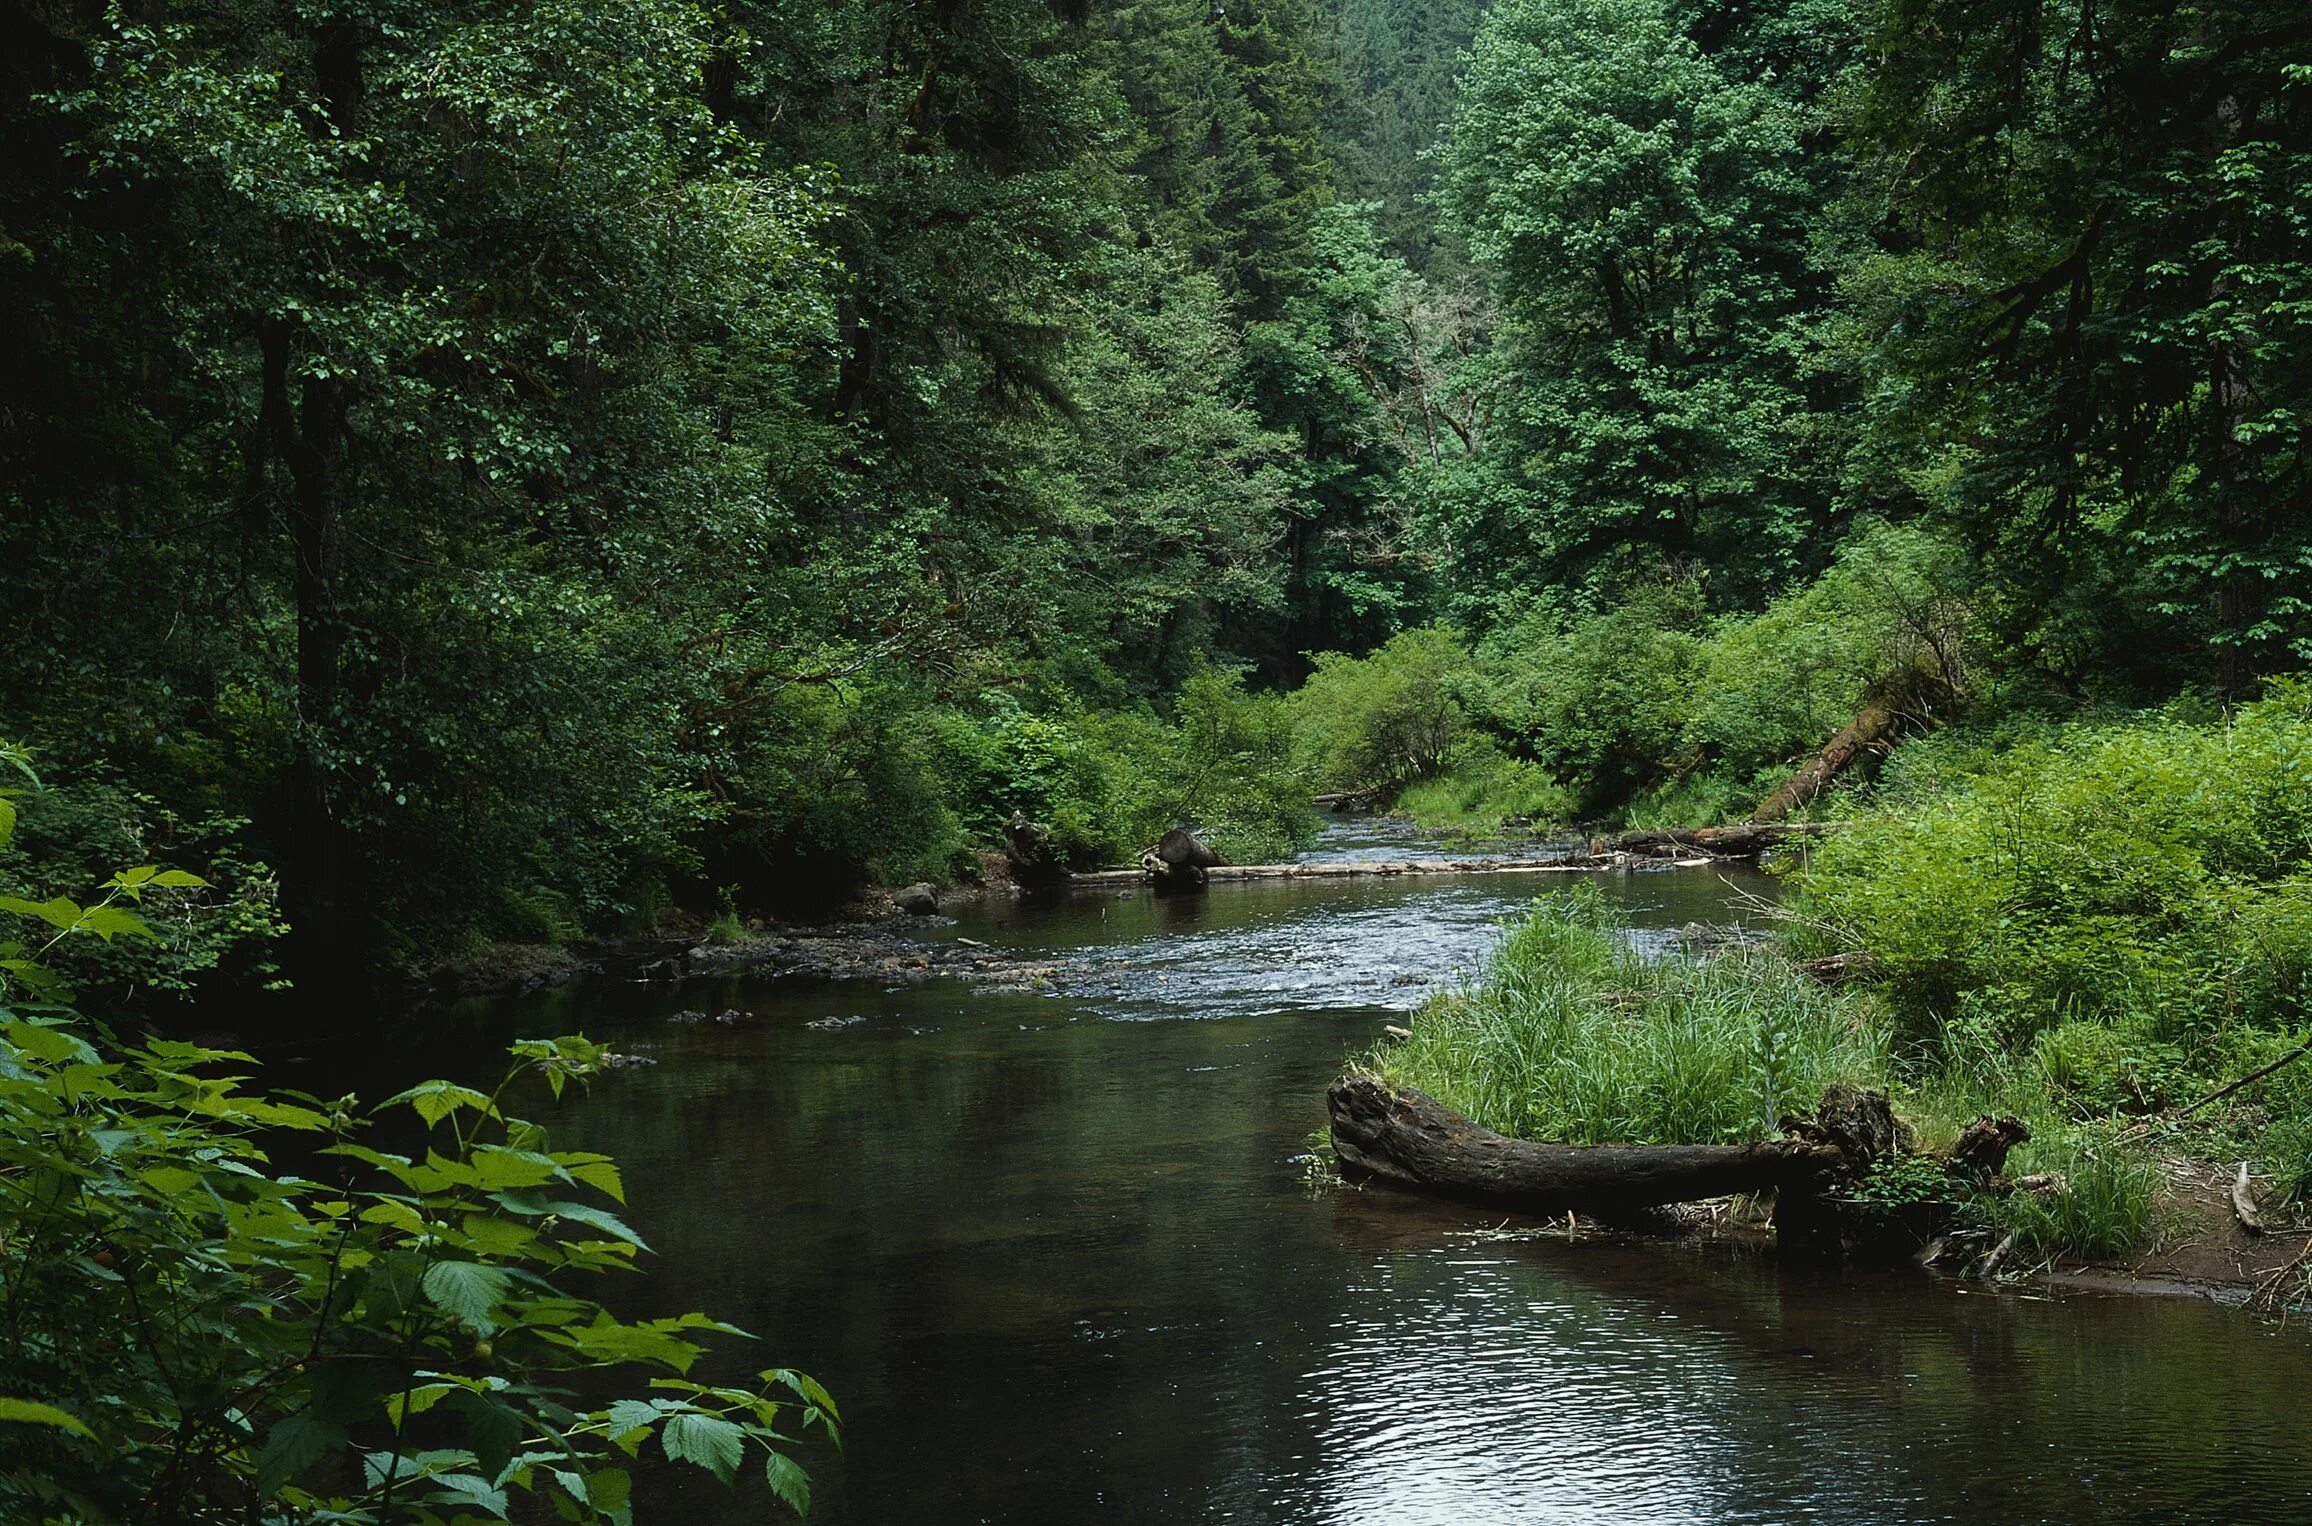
[[1876, 725], [312, 446], [1409, 1139], [1747, 841]]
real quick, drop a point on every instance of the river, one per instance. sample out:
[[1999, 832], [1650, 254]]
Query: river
[[1059, 1258]]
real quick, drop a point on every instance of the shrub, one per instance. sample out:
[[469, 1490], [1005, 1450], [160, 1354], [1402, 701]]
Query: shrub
[[1598, 702], [190, 1332], [2159, 870], [1109, 783], [1485, 790], [1382, 722]]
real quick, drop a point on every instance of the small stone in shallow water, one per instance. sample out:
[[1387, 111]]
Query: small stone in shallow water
[[830, 1024], [688, 1015]]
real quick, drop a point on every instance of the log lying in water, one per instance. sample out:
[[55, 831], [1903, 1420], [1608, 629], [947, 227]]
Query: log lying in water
[[1408, 1138], [1745, 841], [1578, 864]]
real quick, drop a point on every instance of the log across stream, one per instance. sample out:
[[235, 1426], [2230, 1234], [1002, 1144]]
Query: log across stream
[[1685, 848]]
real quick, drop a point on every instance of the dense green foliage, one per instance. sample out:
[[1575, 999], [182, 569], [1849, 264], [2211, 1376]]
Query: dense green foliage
[[2158, 871], [1652, 709], [594, 461], [478, 472], [192, 1331], [563, 455], [2110, 918]]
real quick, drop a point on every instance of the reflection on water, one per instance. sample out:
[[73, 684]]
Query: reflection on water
[[1060, 1267]]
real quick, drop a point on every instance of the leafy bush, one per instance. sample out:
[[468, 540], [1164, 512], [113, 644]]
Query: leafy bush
[[2159, 870], [189, 1332], [1381, 722], [1771, 687], [1109, 783], [1484, 790], [228, 925], [1598, 702]]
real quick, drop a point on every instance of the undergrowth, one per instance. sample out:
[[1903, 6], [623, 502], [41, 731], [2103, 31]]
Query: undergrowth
[[1575, 1035]]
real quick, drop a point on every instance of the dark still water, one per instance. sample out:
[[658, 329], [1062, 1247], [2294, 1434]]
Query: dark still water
[[1059, 1261]]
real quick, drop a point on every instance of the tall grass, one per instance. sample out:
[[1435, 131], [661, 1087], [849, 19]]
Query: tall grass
[[1574, 1035], [2096, 1198]]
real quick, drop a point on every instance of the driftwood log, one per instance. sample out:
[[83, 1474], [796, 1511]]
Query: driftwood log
[[1408, 1139], [1745, 841], [1380, 868]]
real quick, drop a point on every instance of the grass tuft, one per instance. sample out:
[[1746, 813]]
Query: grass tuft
[[1574, 1035]]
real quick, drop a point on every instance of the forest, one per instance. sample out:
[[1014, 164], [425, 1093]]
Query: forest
[[476, 474], [479, 475]]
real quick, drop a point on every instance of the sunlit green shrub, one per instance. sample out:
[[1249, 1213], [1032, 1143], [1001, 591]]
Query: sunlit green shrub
[[1598, 701], [1384, 721], [1484, 789], [2155, 871]]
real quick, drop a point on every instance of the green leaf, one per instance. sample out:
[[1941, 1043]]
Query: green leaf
[[41, 1041], [30, 1412], [57, 912], [609, 1488], [473, 1491], [493, 1428], [110, 922], [599, 1219], [626, 1416], [597, 1171], [436, 1100], [715, 1444], [295, 1443], [467, 1290], [496, 1167], [788, 1481]]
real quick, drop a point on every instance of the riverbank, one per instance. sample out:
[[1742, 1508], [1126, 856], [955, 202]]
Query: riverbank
[[1575, 1037]]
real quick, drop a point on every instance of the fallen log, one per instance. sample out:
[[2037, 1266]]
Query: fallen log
[[1380, 868], [1838, 969], [1745, 841], [1874, 727], [1355, 802], [1408, 1138]]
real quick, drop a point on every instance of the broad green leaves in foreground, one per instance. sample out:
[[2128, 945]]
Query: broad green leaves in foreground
[[188, 1331]]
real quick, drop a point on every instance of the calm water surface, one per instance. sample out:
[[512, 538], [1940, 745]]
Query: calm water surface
[[1057, 1257]]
